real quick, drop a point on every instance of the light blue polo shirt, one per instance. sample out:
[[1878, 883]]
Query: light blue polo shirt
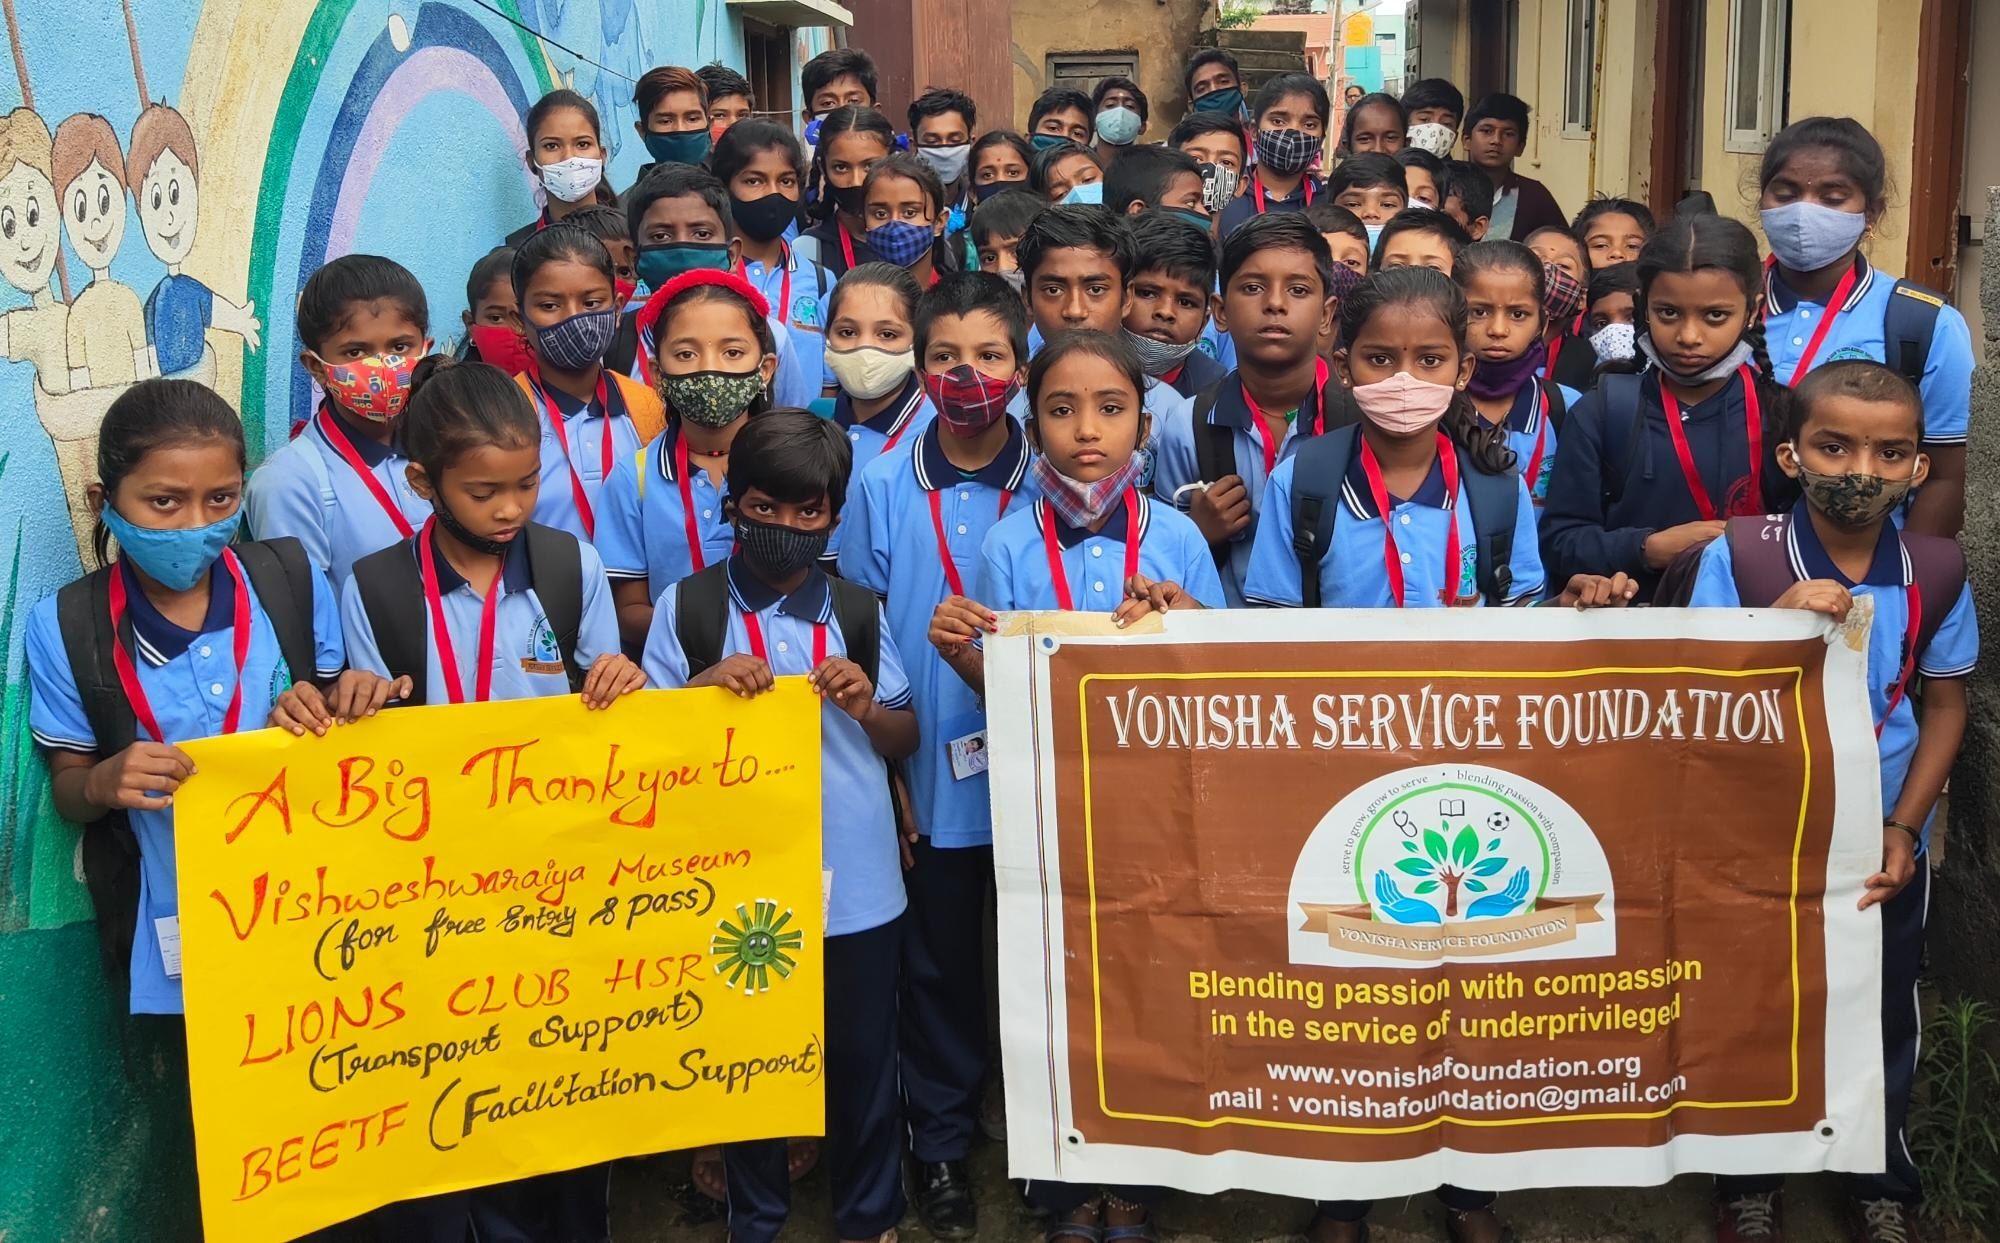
[[804, 316], [1790, 321], [585, 424], [1525, 425], [189, 678], [1952, 653], [898, 423], [308, 491], [892, 549], [858, 826], [1177, 464], [1163, 404], [527, 663], [642, 530], [1014, 562], [1352, 572]]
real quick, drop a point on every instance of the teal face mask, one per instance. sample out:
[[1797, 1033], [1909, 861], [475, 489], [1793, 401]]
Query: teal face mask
[[1043, 142], [174, 559], [1194, 218], [657, 265], [1227, 102], [686, 147]]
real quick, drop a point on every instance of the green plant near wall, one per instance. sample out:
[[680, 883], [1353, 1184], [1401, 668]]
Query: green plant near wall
[[1953, 1130], [1236, 16]]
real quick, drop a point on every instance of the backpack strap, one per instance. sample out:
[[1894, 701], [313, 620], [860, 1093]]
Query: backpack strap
[[1624, 424], [859, 612], [1908, 323], [701, 616], [1319, 464], [1937, 567], [555, 567], [392, 594], [1496, 507], [1558, 404], [1758, 560], [282, 577], [1214, 443]]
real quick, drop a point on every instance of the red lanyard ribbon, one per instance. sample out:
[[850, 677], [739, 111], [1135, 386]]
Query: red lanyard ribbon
[[757, 648], [1915, 601], [330, 428], [1257, 189], [441, 632], [1265, 439], [1392, 561], [1541, 442], [576, 489], [1059, 578], [1834, 306], [846, 243], [944, 547], [128, 672], [1754, 431], [686, 482]]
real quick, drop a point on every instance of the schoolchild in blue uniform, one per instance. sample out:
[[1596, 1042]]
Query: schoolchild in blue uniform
[[995, 232], [1824, 186], [762, 166], [1651, 464], [662, 512], [1503, 284], [1374, 187], [193, 631], [852, 140], [683, 222], [1094, 542], [1275, 275], [915, 522], [1078, 263], [492, 316], [1855, 445], [338, 487], [592, 417], [1290, 116], [903, 202], [1172, 286], [1405, 359], [782, 616], [871, 350], [468, 580]]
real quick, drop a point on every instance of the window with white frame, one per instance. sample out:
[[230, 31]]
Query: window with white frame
[[1755, 106], [1580, 70]]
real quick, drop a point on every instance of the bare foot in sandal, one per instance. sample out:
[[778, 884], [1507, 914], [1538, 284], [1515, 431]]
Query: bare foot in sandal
[[1126, 1221], [1081, 1225]]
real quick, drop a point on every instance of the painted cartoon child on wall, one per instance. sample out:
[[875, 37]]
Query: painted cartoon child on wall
[[164, 177], [36, 334], [107, 326]]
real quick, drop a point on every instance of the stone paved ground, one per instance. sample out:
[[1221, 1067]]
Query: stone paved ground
[[1677, 1213]]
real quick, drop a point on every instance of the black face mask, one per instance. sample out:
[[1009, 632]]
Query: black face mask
[[775, 550], [477, 543], [981, 193], [764, 219], [849, 199]]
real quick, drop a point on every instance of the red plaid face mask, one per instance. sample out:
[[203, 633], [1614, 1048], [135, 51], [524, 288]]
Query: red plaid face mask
[[968, 400]]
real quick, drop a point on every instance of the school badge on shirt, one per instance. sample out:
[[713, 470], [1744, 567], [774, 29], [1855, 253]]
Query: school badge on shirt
[[281, 679], [805, 312], [545, 656]]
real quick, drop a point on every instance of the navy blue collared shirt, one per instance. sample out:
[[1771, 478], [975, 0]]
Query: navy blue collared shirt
[[1196, 372]]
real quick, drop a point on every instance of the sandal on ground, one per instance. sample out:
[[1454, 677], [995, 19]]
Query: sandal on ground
[[1091, 1231], [1455, 1225], [1318, 1217]]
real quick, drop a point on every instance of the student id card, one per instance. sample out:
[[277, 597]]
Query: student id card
[[168, 929]]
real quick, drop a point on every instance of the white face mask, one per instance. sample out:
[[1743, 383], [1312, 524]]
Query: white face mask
[[947, 162], [573, 179], [867, 372], [1615, 343], [1432, 137]]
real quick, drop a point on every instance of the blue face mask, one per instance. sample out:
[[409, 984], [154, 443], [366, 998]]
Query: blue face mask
[[901, 242], [1119, 126], [1808, 236], [1228, 102], [174, 559], [1043, 142], [1194, 218], [1090, 193], [1374, 237], [687, 147]]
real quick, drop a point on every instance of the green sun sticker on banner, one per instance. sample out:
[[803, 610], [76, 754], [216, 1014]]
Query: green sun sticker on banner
[[757, 944]]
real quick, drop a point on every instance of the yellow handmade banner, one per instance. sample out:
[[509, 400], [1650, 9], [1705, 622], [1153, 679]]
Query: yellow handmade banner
[[454, 946]]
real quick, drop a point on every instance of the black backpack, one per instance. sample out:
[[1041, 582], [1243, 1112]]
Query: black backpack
[[392, 593], [701, 619], [1320, 464], [281, 576]]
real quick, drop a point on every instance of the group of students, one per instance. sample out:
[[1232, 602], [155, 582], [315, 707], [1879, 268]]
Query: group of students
[[772, 414]]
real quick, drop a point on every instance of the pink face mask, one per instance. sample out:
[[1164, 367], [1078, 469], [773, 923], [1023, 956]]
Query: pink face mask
[[1403, 405]]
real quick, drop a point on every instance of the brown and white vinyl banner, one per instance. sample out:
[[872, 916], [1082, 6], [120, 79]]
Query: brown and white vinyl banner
[[1353, 904]]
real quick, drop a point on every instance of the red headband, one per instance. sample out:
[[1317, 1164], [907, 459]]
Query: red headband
[[657, 303]]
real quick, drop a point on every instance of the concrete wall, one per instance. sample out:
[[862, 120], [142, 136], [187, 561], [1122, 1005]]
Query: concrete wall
[[1162, 32], [393, 126], [1848, 58]]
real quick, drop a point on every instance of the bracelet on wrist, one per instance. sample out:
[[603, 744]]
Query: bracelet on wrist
[[1890, 822]]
